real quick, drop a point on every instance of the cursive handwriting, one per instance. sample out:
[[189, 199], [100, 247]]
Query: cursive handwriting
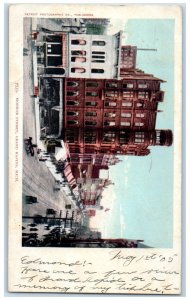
[[121, 274]]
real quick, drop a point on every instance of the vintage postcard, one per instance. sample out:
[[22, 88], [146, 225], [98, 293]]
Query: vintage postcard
[[95, 149]]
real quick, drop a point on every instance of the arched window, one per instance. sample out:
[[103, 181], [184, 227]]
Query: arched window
[[97, 71], [98, 43], [72, 122], [75, 103], [72, 83], [72, 113], [78, 42], [72, 93], [78, 70], [78, 59]]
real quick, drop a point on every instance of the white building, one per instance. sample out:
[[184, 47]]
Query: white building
[[94, 56]]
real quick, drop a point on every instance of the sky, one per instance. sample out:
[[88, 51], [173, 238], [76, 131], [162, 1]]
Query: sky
[[141, 200]]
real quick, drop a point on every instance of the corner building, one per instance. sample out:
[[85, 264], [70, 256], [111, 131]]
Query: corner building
[[113, 116]]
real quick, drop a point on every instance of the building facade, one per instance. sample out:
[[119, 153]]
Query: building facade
[[79, 55], [113, 116]]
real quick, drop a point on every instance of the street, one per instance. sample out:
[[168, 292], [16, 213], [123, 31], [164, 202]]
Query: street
[[38, 181]]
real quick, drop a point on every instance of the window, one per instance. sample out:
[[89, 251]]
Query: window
[[142, 86], [91, 84], [72, 122], [90, 123], [127, 95], [110, 103], [72, 93], [78, 70], [110, 114], [54, 61], [78, 52], [111, 94], [139, 134], [143, 95], [140, 104], [139, 137], [128, 85], [72, 113], [125, 115], [109, 123], [54, 49], [99, 71], [90, 137], [72, 83], [90, 114], [125, 123], [139, 123], [91, 94], [91, 103], [78, 59], [98, 61], [75, 103], [124, 137], [109, 137], [71, 135], [78, 42], [139, 141], [140, 115], [111, 85], [98, 52], [128, 104], [98, 43]]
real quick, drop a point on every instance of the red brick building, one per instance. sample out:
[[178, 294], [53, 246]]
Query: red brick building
[[113, 116]]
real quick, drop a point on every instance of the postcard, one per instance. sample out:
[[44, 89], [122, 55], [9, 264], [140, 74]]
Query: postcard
[[95, 149]]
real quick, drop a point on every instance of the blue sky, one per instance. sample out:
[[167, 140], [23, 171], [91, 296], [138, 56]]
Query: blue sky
[[143, 190]]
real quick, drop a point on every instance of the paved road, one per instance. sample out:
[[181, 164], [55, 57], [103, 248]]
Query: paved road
[[37, 179]]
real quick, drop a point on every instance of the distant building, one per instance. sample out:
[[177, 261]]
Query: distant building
[[128, 57]]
